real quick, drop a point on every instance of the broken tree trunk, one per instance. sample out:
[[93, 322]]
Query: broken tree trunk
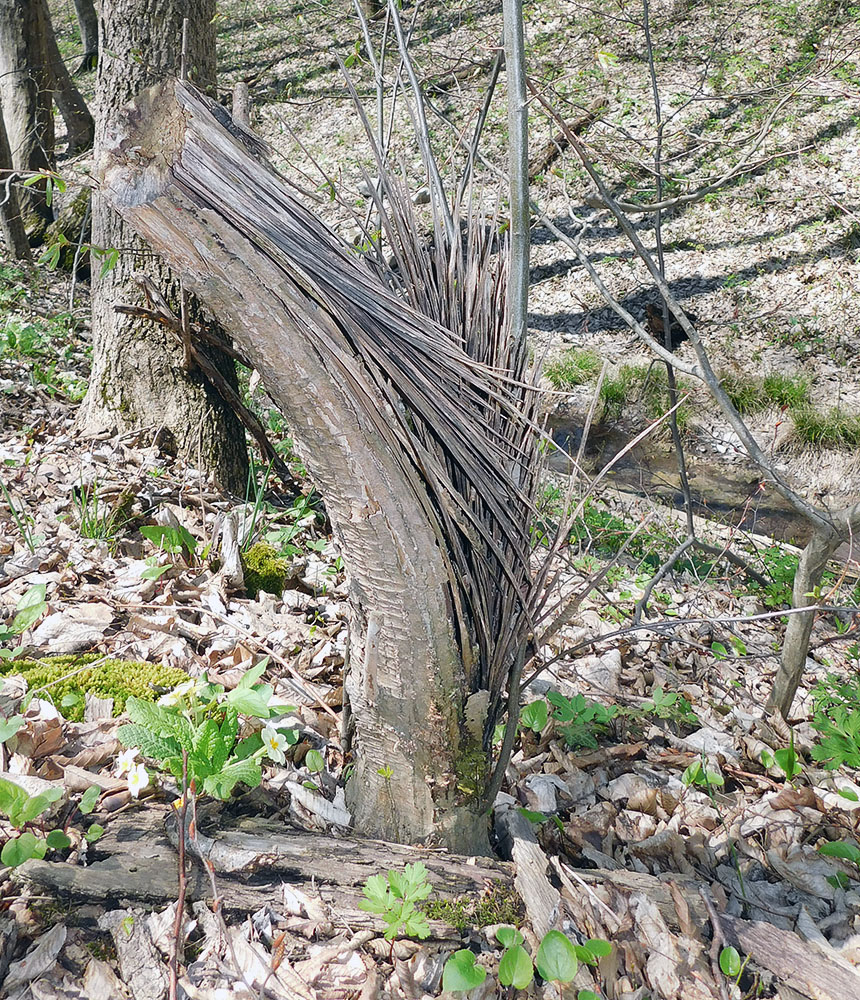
[[339, 353]]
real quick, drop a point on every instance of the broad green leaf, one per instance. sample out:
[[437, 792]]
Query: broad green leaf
[[94, 832], [587, 995], [30, 607], [534, 716], [461, 974], [508, 937], [206, 739], [38, 804], [251, 701], [515, 968], [252, 675], [21, 848], [556, 958], [8, 727], [89, 799], [12, 797], [730, 962], [57, 840], [416, 925], [841, 849], [221, 785], [847, 793], [155, 747], [599, 947], [314, 761]]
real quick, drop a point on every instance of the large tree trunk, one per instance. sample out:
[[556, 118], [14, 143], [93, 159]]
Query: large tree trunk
[[315, 321], [25, 95], [11, 222], [80, 128], [89, 25], [138, 379]]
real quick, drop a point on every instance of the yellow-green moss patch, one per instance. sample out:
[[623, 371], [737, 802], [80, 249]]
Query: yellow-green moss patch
[[264, 570], [57, 676]]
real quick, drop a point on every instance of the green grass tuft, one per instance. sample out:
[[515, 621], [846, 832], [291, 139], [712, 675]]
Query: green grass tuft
[[573, 368], [833, 429]]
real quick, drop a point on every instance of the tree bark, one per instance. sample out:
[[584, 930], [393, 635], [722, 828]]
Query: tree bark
[[11, 222], [138, 379], [89, 25], [80, 128], [304, 310], [25, 95]]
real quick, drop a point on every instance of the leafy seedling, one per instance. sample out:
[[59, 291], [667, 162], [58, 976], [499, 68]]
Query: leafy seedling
[[393, 897]]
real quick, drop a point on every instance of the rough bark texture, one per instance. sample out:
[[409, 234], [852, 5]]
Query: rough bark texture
[[138, 380], [297, 301], [11, 222], [89, 25], [25, 95], [80, 128]]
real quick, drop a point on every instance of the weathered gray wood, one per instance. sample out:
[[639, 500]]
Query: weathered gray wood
[[803, 966], [135, 863]]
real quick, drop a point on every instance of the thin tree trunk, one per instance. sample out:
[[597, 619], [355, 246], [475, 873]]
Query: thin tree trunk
[[518, 145], [138, 379], [813, 562], [25, 95], [89, 25], [14, 234], [304, 310], [80, 128]]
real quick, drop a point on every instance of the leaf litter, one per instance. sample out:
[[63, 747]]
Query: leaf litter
[[685, 808]]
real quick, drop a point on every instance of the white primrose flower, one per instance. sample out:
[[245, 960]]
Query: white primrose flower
[[177, 694], [138, 779], [275, 744], [125, 760]]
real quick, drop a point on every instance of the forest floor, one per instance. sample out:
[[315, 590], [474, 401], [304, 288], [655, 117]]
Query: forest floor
[[651, 760]]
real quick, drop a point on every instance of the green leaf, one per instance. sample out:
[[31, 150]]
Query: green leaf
[[57, 840], [161, 720], [252, 675], [314, 761], [535, 716], [378, 896], [719, 650], [251, 701], [38, 804], [841, 849], [21, 848], [556, 958], [532, 817], [221, 785], [416, 925], [515, 968], [12, 798], [508, 937], [89, 799], [94, 832], [587, 995], [846, 793], [8, 727], [30, 607], [786, 759], [599, 947], [730, 962], [207, 738], [154, 747], [461, 974]]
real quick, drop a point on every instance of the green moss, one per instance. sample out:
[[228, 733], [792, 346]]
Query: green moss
[[57, 676], [264, 569], [500, 905]]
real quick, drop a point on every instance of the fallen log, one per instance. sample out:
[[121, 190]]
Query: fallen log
[[255, 861]]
